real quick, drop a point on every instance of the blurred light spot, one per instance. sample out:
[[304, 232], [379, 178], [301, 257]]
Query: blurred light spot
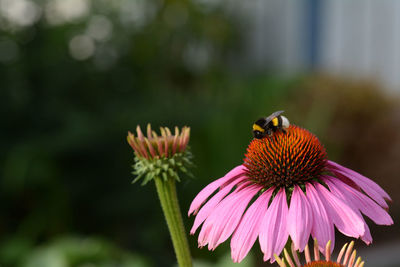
[[20, 12], [46, 257], [99, 28], [64, 11], [105, 57], [175, 15], [137, 12], [9, 51], [197, 56], [81, 47]]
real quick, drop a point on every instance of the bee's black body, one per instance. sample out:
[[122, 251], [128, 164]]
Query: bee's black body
[[268, 125]]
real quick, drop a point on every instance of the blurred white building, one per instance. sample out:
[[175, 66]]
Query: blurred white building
[[351, 38]]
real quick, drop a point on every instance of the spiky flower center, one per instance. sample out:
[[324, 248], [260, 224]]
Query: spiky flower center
[[323, 264], [285, 158], [160, 156]]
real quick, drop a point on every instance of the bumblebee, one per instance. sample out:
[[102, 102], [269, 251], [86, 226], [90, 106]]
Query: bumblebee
[[268, 125]]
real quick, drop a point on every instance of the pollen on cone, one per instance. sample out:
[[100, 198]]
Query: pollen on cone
[[285, 158]]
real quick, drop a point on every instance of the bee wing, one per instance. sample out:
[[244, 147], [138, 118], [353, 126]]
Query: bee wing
[[276, 113], [273, 115]]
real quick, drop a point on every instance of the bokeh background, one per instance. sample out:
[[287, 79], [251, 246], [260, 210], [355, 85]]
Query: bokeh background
[[76, 75]]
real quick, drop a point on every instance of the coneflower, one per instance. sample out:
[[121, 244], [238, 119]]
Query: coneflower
[[160, 156], [161, 159], [346, 258], [286, 187]]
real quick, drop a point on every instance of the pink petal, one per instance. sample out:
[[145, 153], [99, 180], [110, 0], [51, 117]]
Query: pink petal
[[273, 234], [204, 235], [366, 237], [359, 201], [226, 216], [300, 219], [212, 203], [248, 229], [346, 220], [370, 187], [209, 189], [141, 142], [322, 229]]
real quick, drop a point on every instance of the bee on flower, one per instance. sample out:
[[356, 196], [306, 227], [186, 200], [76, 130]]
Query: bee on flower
[[286, 188]]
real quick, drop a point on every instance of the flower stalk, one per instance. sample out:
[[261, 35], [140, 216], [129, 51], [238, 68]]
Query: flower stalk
[[169, 202], [161, 158]]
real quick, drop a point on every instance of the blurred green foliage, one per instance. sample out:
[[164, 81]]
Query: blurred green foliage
[[72, 251], [65, 164]]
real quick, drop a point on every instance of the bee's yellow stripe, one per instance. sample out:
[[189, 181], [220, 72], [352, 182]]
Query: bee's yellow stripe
[[275, 121], [257, 128]]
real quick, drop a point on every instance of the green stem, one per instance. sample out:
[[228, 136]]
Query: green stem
[[169, 202]]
